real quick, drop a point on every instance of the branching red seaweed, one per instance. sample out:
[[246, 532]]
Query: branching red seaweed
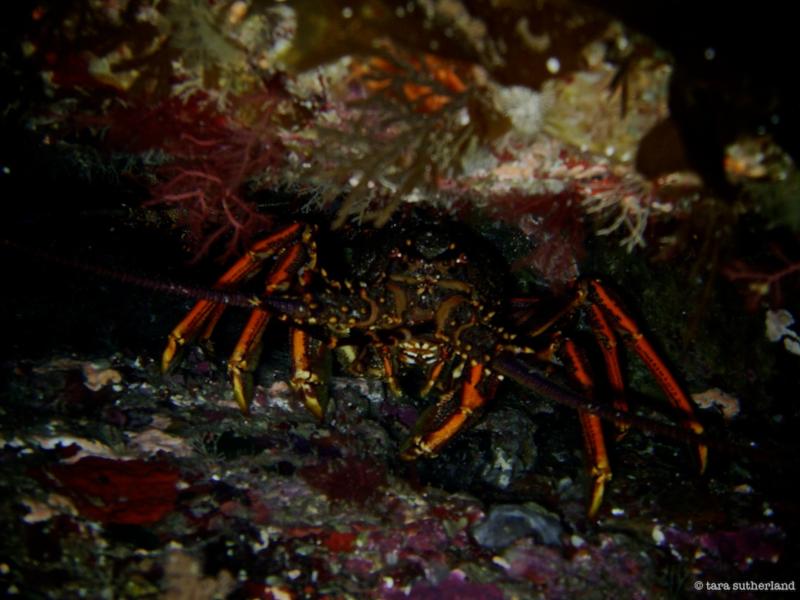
[[214, 160], [764, 281]]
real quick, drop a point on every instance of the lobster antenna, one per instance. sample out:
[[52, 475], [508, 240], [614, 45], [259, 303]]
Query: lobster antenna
[[151, 283], [535, 380]]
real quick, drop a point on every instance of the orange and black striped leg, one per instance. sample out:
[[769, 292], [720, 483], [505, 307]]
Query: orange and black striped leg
[[387, 356], [203, 317], [245, 357], [192, 326], [591, 425], [607, 341], [247, 351], [310, 370], [632, 335], [439, 423]]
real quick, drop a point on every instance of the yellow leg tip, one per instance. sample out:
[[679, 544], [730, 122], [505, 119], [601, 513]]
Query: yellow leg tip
[[598, 490], [314, 407], [702, 457], [169, 357], [242, 384], [702, 449]]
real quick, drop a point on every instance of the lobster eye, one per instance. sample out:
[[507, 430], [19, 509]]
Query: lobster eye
[[462, 259], [395, 253], [430, 245]]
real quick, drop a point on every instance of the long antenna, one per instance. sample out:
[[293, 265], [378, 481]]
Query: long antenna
[[535, 380], [158, 285]]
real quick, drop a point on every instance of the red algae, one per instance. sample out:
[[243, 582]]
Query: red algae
[[132, 492], [337, 541], [350, 479]]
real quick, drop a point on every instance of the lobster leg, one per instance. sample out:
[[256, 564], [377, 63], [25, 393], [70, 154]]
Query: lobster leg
[[389, 361], [310, 363], [633, 336], [245, 357], [591, 425], [440, 422], [188, 330], [247, 351], [200, 321], [607, 342]]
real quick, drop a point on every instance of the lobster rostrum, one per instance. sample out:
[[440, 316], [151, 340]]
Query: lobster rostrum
[[433, 300]]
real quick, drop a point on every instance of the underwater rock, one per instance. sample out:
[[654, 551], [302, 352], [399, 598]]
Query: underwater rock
[[507, 523]]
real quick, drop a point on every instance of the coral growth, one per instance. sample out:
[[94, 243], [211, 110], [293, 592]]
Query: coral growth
[[779, 329], [410, 130], [371, 107]]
